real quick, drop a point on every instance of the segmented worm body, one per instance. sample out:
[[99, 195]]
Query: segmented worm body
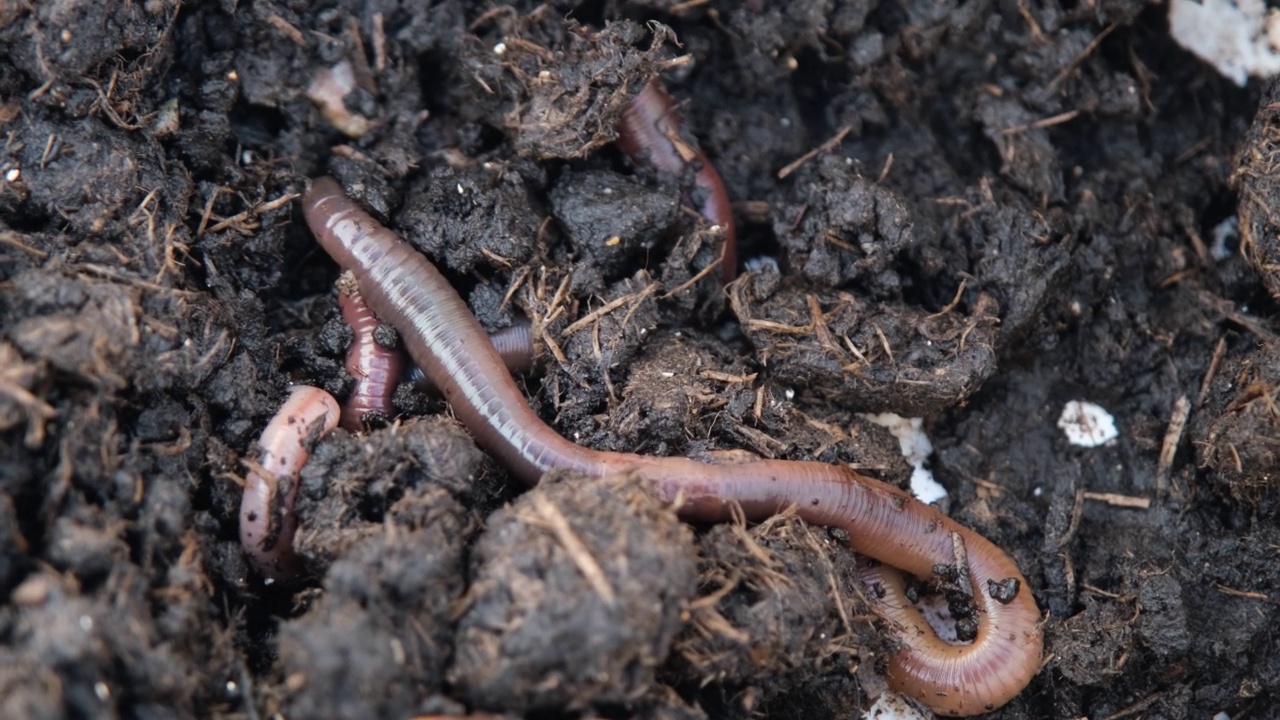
[[883, 522], [267, 519], [650, 133], [376, 367], [514, 345]]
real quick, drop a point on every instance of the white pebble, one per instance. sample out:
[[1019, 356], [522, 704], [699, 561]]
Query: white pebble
[[1225, 234], [760, 264], [1236, 37], [1087, 424], [892, 706], [916, 448]]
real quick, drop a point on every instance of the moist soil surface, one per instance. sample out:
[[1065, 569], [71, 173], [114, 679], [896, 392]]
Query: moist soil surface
[[971, 213]]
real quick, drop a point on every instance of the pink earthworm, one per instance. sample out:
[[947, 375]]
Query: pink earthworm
[[883, 522], [375, 367], [267, 519], [513, 343], [650, 134]]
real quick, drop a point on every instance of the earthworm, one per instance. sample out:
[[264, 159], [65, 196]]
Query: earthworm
[[883, 522], [649, 132], [376, 367], [267, 519], [514, 345]]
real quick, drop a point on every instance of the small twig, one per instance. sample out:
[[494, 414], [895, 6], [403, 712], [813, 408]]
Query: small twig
[[1135, 708], [724, 248], [288, 30], [1250, 594], [681, 8], [1195, 149], [10, 238], [777, 327], [1169, 446], [884, 169], [884, 342], [49, 145], [1118, 500], [573, 545], [951, 305], [1079, 58], [379, 43], [1077, 512], [110, 274], [1219, 351], [727, 378], [37, 411], [104, 102], [1043, 123], [827, 146], [253, 212], [556, 307], [607, 308], [208, 211], [1037, 35]]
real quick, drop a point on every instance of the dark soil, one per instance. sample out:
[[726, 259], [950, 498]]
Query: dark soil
[[1019, 211]]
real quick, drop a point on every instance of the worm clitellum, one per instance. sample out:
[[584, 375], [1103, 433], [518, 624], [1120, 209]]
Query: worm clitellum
[[267, 519], [883, 522], [649, 133]]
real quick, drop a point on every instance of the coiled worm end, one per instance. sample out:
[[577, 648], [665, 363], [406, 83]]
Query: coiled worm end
[[267, 519]]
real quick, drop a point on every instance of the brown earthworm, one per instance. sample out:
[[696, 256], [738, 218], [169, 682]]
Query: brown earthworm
[[376, 367], [267, 520], [883, 522], [514, 345], [650, 133]]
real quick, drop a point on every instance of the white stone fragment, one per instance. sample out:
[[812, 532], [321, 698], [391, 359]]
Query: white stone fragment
[[328, 90], [1225, 234], [892, 706], [1087, 424], [1239, 38], [916, 448]]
